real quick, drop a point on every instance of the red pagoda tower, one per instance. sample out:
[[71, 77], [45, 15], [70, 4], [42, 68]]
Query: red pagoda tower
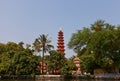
[[60, 44]]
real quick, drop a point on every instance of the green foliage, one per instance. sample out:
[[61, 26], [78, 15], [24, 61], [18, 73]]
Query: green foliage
[[16, 60], [97, 46], [56, 60], [87, 63], [68, 67]]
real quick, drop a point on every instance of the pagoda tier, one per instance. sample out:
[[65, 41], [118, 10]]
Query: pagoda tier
[[60, 44]]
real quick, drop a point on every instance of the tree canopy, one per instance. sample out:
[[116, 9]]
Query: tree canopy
[[99, 43], [17, 60]]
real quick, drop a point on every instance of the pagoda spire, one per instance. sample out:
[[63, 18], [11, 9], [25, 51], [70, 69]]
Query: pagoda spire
[[60, 43], [60, 29]]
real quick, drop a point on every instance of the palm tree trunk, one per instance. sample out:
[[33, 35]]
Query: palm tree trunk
[[43, 61], [40, 64]]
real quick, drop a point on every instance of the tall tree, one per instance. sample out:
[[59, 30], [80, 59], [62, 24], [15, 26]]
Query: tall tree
[[44, 44], [101, 42]]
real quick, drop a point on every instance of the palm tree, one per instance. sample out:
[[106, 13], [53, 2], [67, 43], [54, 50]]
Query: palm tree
[[45, 45], [98, 25], [37, 45]]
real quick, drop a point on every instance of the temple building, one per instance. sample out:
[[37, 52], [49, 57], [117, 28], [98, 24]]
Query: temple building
[[60, 43]]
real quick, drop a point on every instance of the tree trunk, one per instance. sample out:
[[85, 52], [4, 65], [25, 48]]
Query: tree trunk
[[42, 60]]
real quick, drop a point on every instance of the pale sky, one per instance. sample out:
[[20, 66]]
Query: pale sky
[[25, 20]]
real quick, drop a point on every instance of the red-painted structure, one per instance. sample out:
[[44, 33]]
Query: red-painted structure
[[60, 44], [42, 66]]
